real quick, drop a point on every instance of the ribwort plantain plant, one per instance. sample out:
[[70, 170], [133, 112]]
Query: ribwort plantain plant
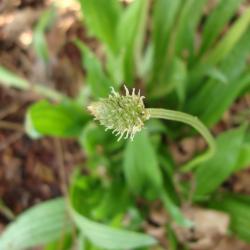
[[193, 61], [126, 115]]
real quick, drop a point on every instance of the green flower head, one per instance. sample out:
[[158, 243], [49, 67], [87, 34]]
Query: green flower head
[[124, 114]]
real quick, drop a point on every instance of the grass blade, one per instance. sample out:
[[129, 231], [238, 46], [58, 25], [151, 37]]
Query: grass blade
[[39, 39], [229, 40], [187, 23], [164, 15], [101, 17], [130, 37], [9, 79], [216, 22], [96, 78], [139, 171]]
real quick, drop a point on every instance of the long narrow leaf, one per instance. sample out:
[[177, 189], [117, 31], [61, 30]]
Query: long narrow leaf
[[141, 167], [238, 208], [102, 17], [39, 39], [229, 40], [164, 15], [211, 174], [96, 78], [39, 225], [110, 238], [130, 37], [10, 79], [216, 21], [185, 31], [232, 68]]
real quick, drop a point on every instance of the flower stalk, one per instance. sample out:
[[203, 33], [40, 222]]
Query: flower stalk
[[193, 122], [126, 115]]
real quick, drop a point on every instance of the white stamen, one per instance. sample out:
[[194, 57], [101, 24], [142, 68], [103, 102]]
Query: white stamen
[[127, 134], [120, 137], [114, 92], [114, 131], [139, 120], [126, 90]]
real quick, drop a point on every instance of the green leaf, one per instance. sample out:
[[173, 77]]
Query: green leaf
[[179, 78], [9, 79], [244, 157], [187, 22], [29, 127], [142, 171], [216, 22], [218, 104], [175, 211], [96, 78], [211, 174], [175, 79], [217, 75], [63, 243], [164, 14], [108, 237], [237, 206], [229, 40], [102, 17], [39, 39], [130, 37], [140, 164], [39, 225], [62, 120], [92, 136], [231, 67]]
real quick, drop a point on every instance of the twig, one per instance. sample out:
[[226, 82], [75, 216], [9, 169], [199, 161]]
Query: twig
[[9, 110], [13, 138], [11, 126], [60, 163], [63, 180]]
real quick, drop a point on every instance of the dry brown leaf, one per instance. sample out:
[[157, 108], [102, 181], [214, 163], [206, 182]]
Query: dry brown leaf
[[231, 243], [20, 22], [209, 227], [240, 182], [186, 149]]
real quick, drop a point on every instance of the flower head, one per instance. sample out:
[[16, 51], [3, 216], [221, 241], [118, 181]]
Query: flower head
[[124, 114]]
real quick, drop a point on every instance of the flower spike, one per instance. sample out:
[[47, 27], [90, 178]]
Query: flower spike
[[125, 114]]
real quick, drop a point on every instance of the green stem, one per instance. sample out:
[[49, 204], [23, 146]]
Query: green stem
[[9, 79], [195, 123], [175, 211], [48, 92]]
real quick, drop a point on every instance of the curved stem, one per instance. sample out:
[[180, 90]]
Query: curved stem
[[192, 121]]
